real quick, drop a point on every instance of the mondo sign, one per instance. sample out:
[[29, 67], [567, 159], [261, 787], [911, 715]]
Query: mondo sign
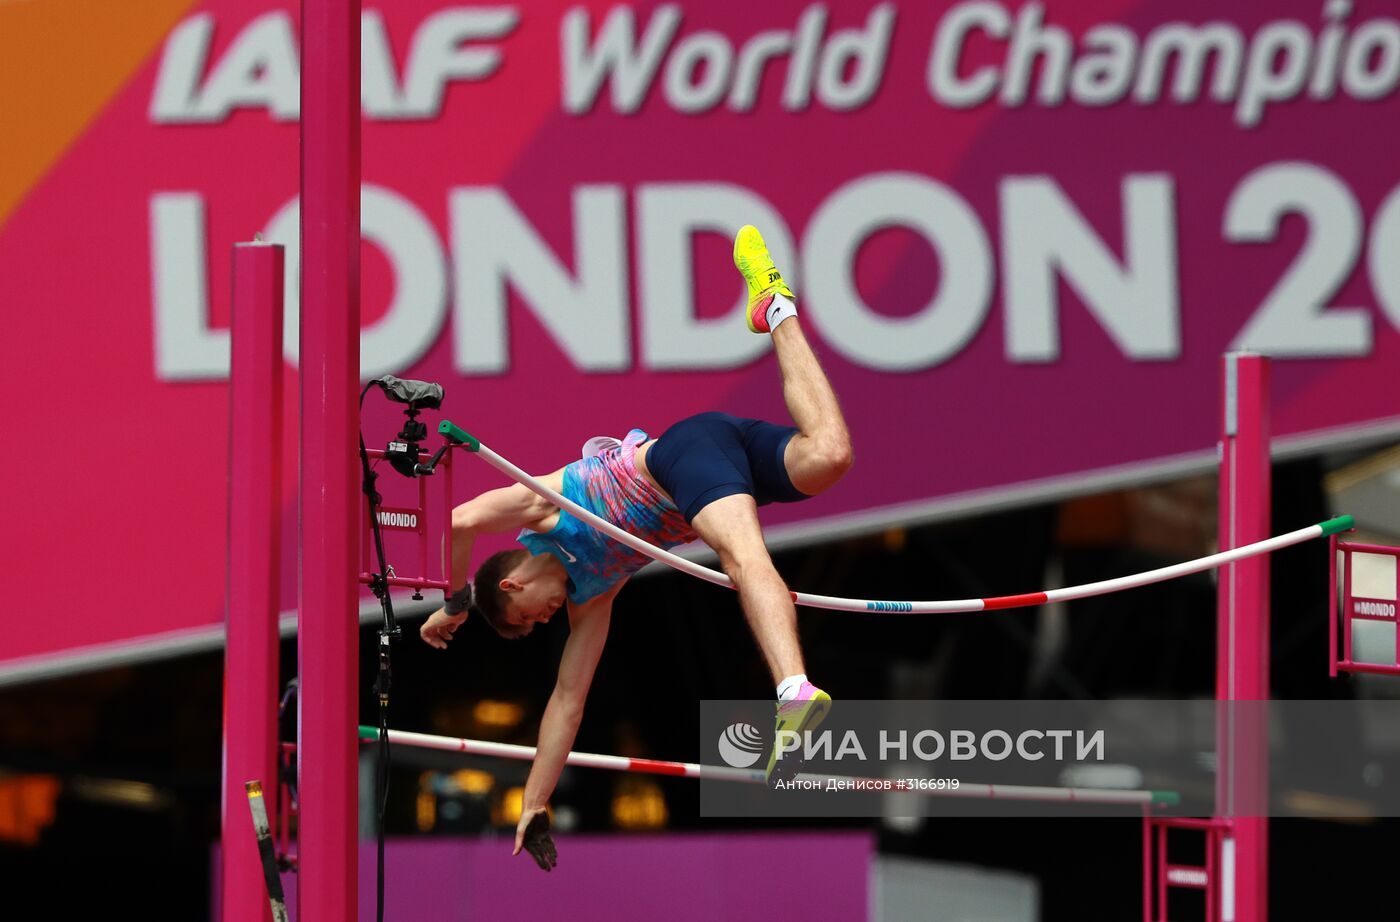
[[1008, 224]]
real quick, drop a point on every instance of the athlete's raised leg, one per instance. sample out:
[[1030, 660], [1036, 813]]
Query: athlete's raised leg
[[820, 454]]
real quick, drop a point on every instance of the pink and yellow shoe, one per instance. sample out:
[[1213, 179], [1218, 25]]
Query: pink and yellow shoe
[[802, 714], [763, 278]]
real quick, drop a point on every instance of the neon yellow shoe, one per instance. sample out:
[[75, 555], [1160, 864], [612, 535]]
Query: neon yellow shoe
[[756, 266], [800, 715]]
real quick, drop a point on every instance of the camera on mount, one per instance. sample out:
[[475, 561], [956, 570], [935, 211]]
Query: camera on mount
[[403, 452]]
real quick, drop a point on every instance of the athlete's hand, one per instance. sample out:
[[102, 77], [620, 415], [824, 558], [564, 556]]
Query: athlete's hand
[[532, 833], [437, 630]]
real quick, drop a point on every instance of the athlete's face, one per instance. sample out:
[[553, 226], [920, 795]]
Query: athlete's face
[[534, 598]]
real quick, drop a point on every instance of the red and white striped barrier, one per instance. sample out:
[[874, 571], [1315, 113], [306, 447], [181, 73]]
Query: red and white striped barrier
[[964, 790]]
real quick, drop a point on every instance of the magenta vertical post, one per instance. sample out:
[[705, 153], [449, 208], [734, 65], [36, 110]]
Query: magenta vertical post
[[254, 559], [1242, 652], [328, 639], [1146, 867], [1346, 606], [1212, 876], [1332, 590], [1162, 862]]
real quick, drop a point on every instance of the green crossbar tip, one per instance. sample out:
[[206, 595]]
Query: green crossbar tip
[[369, 733], [1338, 525], [457, 435], [1166, 798]]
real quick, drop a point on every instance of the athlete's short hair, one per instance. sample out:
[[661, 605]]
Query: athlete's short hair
[[490, 600]]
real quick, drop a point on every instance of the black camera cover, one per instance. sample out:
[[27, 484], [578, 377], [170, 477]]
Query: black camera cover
[[417, 394]]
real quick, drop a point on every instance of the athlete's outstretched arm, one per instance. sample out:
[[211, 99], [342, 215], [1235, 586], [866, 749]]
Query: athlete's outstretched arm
[[507, 509], [588, 630]]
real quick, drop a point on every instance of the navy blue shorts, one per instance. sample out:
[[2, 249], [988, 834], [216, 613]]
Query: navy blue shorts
[[713, 455]]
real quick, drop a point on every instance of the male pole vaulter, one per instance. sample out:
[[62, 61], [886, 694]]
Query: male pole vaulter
[[705, 476]]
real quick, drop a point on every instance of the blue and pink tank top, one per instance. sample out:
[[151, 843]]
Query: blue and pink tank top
[[609, 486]]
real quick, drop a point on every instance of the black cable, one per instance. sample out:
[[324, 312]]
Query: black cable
[[287, 769], [405, 457], [379, 585], [382, 786]]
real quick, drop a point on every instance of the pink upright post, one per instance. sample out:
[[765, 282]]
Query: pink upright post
[[328, 639], [1242, 651], [1147, 866], [1332, 606], [254, 559]]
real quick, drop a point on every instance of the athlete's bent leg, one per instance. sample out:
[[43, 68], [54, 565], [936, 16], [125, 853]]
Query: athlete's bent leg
[[820, 454]]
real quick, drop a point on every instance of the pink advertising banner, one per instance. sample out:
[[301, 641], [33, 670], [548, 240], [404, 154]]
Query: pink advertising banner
[[681, 878], [1021, 234]]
